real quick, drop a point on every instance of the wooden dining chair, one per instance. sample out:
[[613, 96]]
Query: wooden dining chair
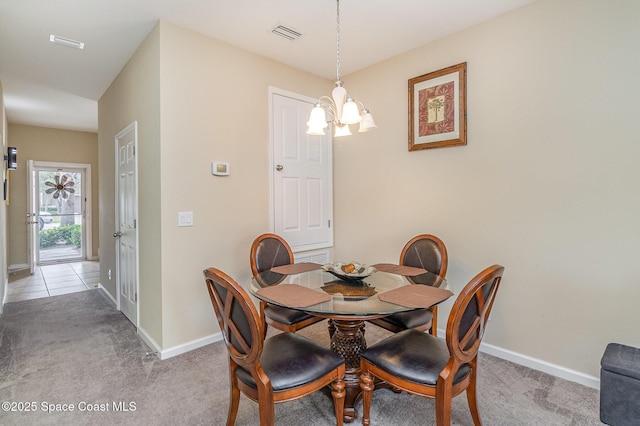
[[424, 365], [278, 369], [269, 251], [427, 252]]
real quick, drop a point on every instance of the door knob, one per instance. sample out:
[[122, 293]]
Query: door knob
[[279, 167], [117, 234]]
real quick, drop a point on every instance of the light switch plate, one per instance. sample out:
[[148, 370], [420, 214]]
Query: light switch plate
[[185, 218]]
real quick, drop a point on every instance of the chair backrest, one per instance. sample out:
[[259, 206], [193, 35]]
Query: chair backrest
[[268, 251], [237, 316], [427, 252], [470, 313]]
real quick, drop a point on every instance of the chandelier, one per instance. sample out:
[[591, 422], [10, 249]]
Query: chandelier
[[341, 107]]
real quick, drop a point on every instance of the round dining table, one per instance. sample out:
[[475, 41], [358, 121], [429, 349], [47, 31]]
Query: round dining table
[[347, 303]]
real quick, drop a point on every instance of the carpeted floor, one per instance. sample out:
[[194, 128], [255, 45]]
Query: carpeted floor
[[78, 350]]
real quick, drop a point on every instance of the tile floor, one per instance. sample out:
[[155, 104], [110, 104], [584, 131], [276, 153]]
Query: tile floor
[[54, 280]]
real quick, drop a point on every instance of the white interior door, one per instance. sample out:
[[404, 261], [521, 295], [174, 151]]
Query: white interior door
[[302, 193], [126, 233]]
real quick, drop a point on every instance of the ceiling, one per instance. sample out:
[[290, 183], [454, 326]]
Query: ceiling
[[50, 85]]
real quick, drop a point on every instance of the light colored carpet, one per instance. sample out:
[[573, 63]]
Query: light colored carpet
[[77, 349]]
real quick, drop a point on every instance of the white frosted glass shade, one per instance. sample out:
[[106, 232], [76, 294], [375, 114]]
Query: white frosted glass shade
[[350, 113], [316, 131], [317, 118], [342, 131], [367, 123]]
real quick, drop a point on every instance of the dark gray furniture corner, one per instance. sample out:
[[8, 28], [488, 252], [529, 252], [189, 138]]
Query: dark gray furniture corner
[[620, 385]]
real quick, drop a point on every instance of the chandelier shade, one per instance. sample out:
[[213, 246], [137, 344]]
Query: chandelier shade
[[367, 122], [341, 108], [317, 121], [342, 131]]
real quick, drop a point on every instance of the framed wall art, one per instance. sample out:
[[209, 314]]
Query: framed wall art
[[438, 108]]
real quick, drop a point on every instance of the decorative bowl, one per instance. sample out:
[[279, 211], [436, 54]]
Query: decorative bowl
[[350, 290], [352, 271]]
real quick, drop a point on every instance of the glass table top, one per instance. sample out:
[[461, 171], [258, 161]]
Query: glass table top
[[348, 298]]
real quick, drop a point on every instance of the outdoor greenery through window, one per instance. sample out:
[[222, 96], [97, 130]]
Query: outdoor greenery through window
[[70, 234]]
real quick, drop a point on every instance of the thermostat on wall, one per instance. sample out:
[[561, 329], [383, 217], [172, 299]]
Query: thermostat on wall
[[220, 168]]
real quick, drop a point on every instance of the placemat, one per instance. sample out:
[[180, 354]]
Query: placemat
[[293, 295], [296, 268], [415, 296], [407, 271]]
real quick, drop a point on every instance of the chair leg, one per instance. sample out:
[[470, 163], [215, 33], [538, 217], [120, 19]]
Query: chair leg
[[434, 322], [234, 402], [471, 396], [366, 384], [444, 395], [339, 394], [267, 412]]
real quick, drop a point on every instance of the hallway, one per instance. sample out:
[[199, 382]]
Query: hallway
[[53, 280]]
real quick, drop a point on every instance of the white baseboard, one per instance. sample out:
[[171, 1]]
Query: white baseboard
[[170, 352], [18, 267], [180, 349], [545, 367], [107, 293], [149, 341], [537, 364], [189, 346], [4, 295]]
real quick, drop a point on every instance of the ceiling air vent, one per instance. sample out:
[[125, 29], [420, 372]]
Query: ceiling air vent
[[66, 41], [287, 33]]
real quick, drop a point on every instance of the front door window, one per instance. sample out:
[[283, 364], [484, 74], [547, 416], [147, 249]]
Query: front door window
[[60, 215]]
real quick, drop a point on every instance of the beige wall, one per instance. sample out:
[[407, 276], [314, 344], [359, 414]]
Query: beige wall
[[53, 145], [3, 209], [135, 96], [213, 101], [215, 106], [547, 185]]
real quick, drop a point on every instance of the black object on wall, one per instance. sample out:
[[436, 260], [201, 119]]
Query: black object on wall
[[12, 158]]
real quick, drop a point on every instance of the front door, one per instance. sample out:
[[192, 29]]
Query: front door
[[59, 212], [32, 218], [302, 176], [126, 214]]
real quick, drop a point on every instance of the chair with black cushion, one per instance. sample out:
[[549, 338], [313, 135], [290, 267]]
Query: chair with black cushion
[[278, 369], [427, 252], [269, 251], [422, 364]]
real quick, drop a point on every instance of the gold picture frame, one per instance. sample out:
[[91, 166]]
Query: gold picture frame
[[438, 108]]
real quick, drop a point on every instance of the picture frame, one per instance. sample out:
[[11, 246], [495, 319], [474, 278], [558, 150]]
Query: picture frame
[[438, 108]]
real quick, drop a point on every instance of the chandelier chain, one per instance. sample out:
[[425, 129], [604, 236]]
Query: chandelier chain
[[341, 107], [337, 40]]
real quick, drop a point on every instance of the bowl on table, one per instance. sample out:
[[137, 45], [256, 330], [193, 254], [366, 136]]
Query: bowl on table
[[352, 271]]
